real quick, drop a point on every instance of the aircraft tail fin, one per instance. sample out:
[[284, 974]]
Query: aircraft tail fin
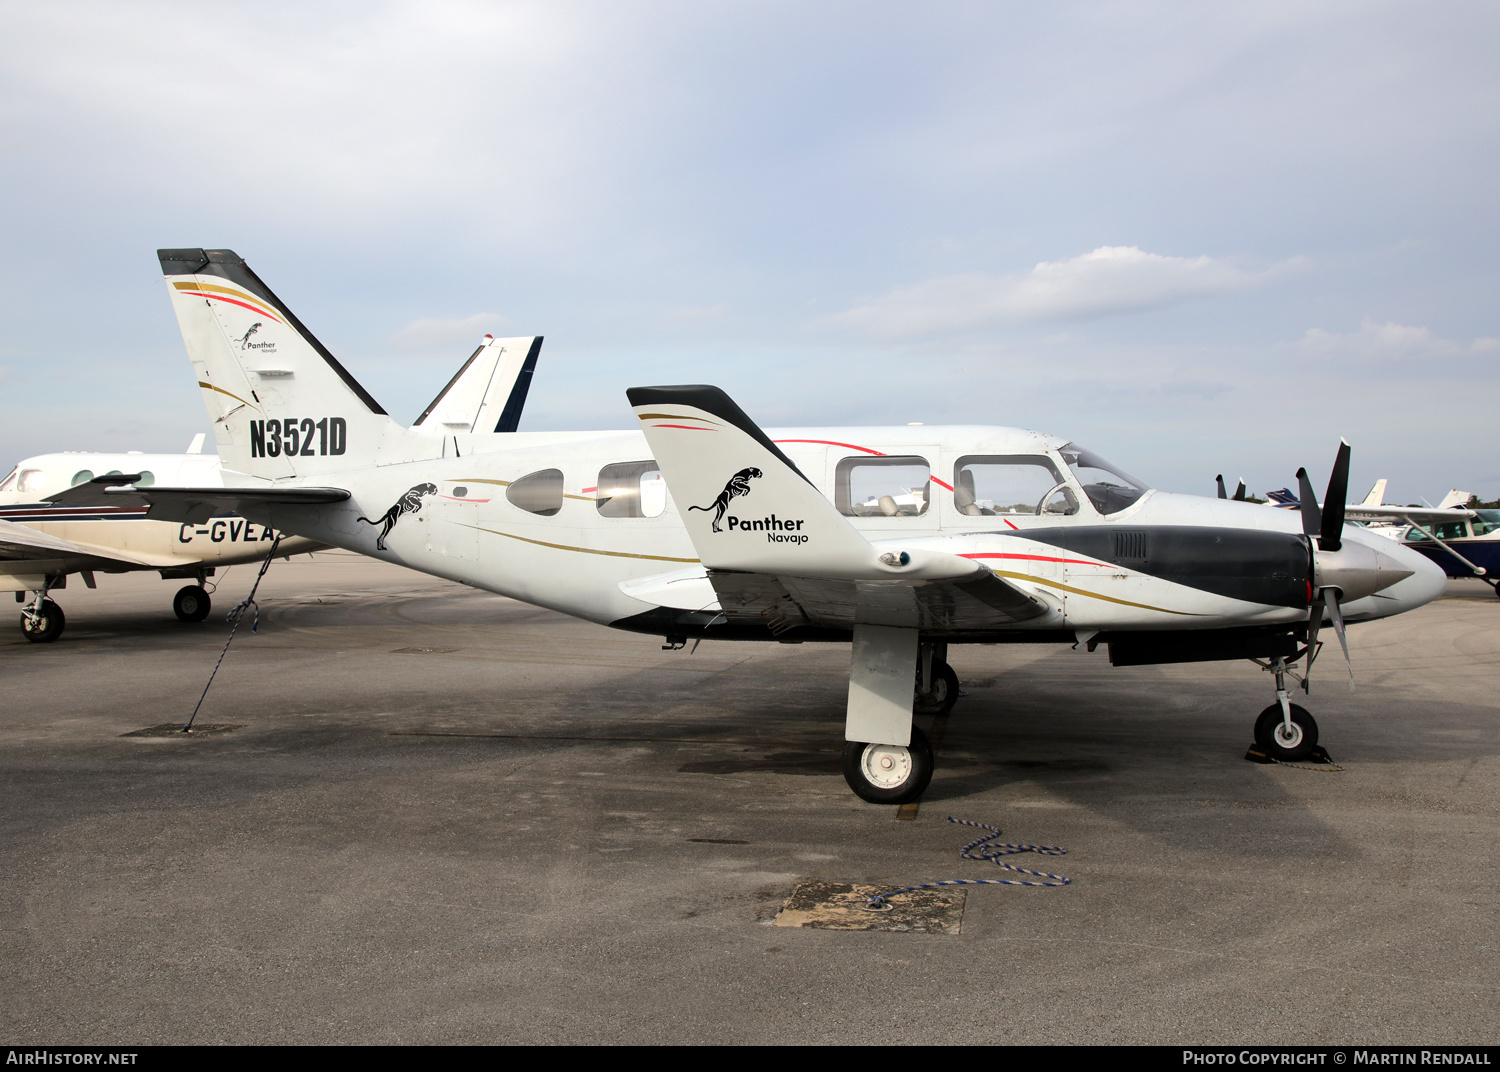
[[1376, 497], [748, 507], [489, 392], [280, 403], [1454, 499]]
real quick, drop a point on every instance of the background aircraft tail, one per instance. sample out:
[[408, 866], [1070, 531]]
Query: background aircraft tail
[[488, 393], [280, 403]]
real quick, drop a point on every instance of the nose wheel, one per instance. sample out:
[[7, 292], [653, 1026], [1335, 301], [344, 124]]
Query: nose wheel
[[1286, 739]]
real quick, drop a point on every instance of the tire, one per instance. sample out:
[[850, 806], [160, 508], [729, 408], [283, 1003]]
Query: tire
[[944, 692], [191, 604], [906, 777], [1269, 735], [49, 625]]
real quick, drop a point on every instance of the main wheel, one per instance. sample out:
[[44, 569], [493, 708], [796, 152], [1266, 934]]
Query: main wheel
[[191, 604], [889, 773], [1281, 742], [48, 625], [944, 692]]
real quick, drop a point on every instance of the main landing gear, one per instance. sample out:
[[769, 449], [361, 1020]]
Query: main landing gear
[[1285, 730], [191, 603], [887, 760], [42, 621]]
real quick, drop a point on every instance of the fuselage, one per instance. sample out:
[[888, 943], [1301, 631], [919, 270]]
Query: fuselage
[[582, 523]]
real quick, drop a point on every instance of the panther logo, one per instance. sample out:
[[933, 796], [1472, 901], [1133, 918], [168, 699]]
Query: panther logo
[[738, 485], [409, 503]]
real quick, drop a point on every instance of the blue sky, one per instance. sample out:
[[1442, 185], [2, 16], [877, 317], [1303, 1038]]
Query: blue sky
[[1196, 238]]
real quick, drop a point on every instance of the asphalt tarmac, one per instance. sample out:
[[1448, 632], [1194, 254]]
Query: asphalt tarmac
[[449, 817]]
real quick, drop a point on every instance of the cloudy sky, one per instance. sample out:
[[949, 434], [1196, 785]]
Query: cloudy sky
[[1196, 238]]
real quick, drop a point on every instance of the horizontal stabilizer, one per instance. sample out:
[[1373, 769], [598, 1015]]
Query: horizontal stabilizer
[[195, 505]]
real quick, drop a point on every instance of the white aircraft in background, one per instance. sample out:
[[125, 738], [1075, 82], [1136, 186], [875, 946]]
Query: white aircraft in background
[[41, 543], [701, 525]]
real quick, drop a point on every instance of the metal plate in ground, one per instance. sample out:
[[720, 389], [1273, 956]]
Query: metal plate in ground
[[174, 729], [840, 906]]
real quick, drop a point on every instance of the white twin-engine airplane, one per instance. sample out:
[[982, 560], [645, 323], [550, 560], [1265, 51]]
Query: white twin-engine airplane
[[703, 526], [42, 542]]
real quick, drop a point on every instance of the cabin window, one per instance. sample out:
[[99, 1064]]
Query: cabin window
[[31, 480], [83, 476], [1108, 488], [896, 486], [1487, 522], [995, 485], [632, 489], [147, 479], [538, 493]]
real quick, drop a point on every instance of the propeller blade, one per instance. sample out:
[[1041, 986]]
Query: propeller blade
[[1314, 623], [1312, 517], [1333, 503], [1222, 493], [1239, 492], [1332, 601]]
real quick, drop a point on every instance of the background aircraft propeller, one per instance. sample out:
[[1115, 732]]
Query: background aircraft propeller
[[1239, 492]]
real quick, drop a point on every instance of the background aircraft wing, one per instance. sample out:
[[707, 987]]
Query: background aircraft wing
[[1418, 514], [26, 550]]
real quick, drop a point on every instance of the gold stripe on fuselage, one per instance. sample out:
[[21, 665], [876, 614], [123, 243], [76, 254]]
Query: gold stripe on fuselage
[[1094, 595], [583, 550]]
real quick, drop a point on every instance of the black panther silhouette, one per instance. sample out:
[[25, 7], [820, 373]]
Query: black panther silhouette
[[739, 484], [409, 503]]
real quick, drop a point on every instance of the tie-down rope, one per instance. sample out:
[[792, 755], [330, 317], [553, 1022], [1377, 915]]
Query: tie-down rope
[[991, 853], [234, 617]]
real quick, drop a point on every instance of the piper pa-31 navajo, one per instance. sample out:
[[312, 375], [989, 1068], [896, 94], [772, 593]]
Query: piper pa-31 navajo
[[703, 526], [42, 542]]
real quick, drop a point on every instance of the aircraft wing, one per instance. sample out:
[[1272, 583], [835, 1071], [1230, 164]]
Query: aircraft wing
[[779, 553], [193, 505], [26, 550], [1418, 514]]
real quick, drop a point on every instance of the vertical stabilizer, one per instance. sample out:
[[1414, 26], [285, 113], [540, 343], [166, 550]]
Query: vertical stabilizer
[[1455, 500], [1377, 494], [280, 403], [489, 392]]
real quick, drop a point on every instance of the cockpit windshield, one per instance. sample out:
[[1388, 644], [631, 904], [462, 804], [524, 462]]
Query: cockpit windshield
[[1108, 488]]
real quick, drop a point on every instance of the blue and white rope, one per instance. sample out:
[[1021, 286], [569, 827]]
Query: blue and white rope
[[233, 617], [992, 853]]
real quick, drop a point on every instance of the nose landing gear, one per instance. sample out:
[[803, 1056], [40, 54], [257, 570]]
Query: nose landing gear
[[1285, 731]]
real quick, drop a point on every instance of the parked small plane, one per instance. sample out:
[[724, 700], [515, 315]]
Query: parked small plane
[[41, 543], [701, 525]]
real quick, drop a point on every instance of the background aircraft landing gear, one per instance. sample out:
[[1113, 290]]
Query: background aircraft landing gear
[[889, 773], [1279, 740], [191, 604], [43, 622]]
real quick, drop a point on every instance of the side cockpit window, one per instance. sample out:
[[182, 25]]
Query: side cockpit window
[[537, 493], [999, 484], [895, 486], [1109, 488], [631, 489], [31, 480]]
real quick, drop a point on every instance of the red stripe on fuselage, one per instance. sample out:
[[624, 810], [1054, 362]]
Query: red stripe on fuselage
[[832, 443]]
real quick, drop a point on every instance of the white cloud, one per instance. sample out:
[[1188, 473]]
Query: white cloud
[[1392, 343], [429, 333], [1111, 279]]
